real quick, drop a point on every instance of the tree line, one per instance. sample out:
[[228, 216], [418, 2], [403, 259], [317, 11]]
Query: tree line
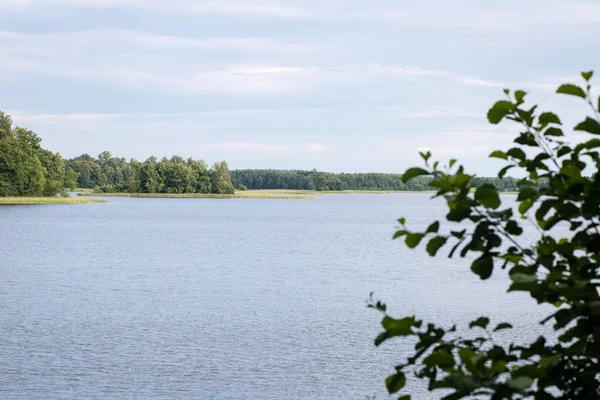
[[27, 169], [325, 181], [167, 175]]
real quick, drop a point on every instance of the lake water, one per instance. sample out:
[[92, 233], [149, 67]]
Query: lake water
[[223, 298]]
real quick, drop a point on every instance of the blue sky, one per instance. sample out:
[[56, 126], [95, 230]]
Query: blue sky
[[337, 85]]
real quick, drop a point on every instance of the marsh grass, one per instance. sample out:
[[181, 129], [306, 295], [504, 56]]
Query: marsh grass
[[47, 200], [250, 194]]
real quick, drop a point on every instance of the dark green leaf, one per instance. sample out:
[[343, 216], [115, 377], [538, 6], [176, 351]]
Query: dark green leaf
[[572, 90], [564, 150], [434, 227], [405, 397], [395, 327], [520, 96], [452, 162], [502, 326], [488, 196], [587, 75], [549, 118], [499, 154], [553, 131], [434, 245], [500, 110], [483, 266], [399, 234], [517, 153], [512, 228], [525, 206], [395, 382], [589, 125], [413, 173], [441, 358], [413, 239], [504, 170], [481, 322]]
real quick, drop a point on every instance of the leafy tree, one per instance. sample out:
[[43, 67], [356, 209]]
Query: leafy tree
[[561, 187], [221, 180], [26, 169]]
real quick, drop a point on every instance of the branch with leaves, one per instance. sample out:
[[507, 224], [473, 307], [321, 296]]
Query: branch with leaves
[[562, 272]]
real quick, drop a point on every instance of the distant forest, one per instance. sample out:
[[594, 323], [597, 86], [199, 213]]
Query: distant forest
[[27, 169], [167, 175], [325, 181], [177, 175]]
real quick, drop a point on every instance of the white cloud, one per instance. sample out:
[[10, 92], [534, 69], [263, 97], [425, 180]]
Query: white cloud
[[316, 147], [246, 146], [278, 9]]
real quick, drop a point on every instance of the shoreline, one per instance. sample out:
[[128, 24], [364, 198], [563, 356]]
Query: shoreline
[[13, 201], [256, 194]]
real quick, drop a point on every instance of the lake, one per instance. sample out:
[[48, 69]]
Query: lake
[[224, 298]]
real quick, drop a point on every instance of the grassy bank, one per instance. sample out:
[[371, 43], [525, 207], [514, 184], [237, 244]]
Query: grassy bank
[[249, 194], [245, 194], [47, 200]]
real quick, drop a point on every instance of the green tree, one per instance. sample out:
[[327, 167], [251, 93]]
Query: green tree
[[221, 180], [561, 186]]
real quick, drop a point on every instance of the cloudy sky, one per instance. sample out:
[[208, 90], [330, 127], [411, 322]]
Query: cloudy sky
[[337, 85]]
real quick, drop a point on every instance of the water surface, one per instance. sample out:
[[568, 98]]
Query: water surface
[[223, 298]]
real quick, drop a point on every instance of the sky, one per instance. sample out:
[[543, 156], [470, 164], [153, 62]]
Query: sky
[[336, 85]]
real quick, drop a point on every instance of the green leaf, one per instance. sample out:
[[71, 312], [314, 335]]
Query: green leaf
[[399, 233], [499, 366], [513, 228], [413, 173], [483, 266], [549, 118], [499, 154], [520, 383], [433, 228], [517, 153], [500, 110], [452, 162], [401, 221], [587, 75], [504, 170], [488, 196], [395, 327], [520, 96], [435, 244], [413, 239], [405, 397], [395, 382], [553, 131], [572, 90], [441, 358], [523, 278], [503, 325], [590, 144], [481, 322], [589, 125]]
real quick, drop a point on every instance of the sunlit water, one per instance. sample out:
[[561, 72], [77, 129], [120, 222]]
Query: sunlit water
[[223, 299]]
